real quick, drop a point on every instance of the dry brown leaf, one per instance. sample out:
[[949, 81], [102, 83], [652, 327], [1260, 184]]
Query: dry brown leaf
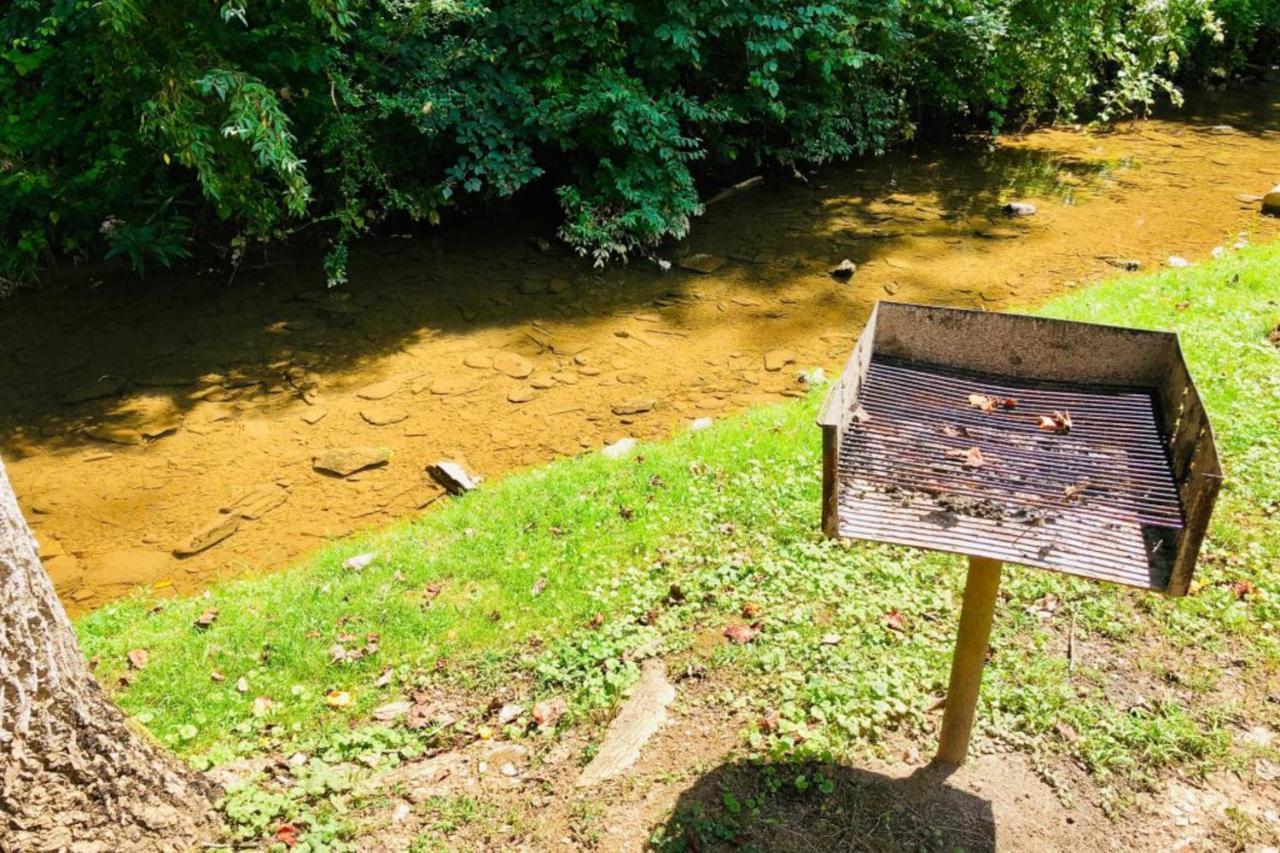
[[971, 458], [860, 415], [138, 658], [205, 619], [985, 402], [954, 431], [741, 634], [894, 621], [750, 610], [216, 675], [1059, 422], [548, 712]]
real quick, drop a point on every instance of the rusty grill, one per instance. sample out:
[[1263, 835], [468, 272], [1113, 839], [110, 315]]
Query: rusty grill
[[1122, 495]]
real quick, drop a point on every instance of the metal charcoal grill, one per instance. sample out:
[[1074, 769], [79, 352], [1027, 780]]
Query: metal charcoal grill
[[932, 438]]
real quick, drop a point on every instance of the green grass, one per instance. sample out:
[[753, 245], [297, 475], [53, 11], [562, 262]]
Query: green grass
[[658, 552]]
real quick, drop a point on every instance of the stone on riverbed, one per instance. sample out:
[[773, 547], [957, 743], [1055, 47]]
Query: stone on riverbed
[[382, 415], [1271, 203], [455, 479], [843, 271], [632, 407], [206, 537], [1019, 208], [344, 462], [776, 359], [702, 263], [619, 448]]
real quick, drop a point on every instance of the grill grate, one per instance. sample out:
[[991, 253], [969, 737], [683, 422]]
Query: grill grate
[[1123, 495], [1099, 500]]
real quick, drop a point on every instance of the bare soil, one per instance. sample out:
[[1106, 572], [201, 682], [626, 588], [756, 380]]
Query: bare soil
[[132, 414], [898, 800]]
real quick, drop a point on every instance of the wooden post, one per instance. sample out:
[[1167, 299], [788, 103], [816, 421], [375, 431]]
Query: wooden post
[[971, 654]]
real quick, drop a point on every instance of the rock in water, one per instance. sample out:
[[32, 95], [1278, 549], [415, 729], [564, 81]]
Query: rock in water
[[702, 263], [843, 271], [346, 461], [256, 503], [632, 407], [643, 714], [382, 415], [380, 390], [776, 359], [452, 476], [1019, 208], [512, 364], [209, 535], [1271, 203]]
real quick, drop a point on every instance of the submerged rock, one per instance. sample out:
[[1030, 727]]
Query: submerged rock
[[346, 461], [776, 359], [632, 407], [209, 535], [702, 263]]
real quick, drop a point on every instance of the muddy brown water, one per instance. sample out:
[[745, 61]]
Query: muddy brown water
[[131, 415]]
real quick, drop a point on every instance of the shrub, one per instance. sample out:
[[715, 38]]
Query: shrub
[[131, 125]]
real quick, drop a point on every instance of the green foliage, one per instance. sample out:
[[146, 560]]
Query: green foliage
[[131, 125]]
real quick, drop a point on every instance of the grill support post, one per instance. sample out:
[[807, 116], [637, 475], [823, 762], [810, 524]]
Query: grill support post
[[976, 612]]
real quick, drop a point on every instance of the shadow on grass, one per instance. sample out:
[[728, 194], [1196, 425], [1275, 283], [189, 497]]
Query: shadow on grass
[[818, 808]]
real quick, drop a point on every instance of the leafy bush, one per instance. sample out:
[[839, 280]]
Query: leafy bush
[[130, 125]]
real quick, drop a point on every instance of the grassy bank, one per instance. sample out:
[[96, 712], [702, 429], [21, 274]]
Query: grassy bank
[[557, 580]]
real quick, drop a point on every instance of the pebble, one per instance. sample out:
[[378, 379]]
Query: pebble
[[380, 390], [1178, 262], [520, 394], [698, 424]]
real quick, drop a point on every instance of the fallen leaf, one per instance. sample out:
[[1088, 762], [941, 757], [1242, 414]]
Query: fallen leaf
[[538, 586], [954, 431], [627, 513], [484, 732], [242, 685], [509, 713], [262, 705], [596, 621], [138, 658], [830, 639], [359, 561], [217, 676], [432, 590], [392, 710], [287, 834], [894, 621], [1066, 732], [860, 415], [741, 634], [1243, 588], [988, 403], [972, 458], [770, 720], [385, 678], [750, 610], [1074, 490], [1059, 422], [337, 699], [206, 618]]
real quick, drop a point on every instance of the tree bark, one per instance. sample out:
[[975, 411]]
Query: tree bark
[[74, 774]]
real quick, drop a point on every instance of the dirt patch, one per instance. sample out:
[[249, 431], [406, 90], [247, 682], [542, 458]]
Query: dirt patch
[[694, 789], [132, 414]]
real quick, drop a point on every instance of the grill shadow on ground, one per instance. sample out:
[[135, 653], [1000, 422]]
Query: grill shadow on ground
[[730, 808]]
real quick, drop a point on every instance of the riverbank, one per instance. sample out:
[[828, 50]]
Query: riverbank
[[800, 665], [132, 416]]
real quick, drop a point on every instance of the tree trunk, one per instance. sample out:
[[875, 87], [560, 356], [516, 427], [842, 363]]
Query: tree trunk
[[74, 774]]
